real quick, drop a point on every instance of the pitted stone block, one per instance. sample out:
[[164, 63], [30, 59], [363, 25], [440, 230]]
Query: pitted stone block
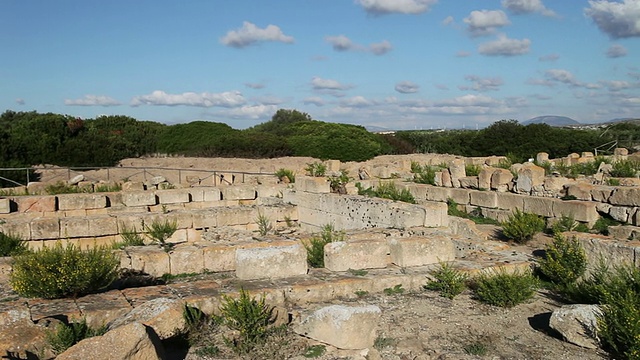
[[418, 251], [342, 256], [81, 201], [271, 262], [139, 198], [45, 228], [173, 196]]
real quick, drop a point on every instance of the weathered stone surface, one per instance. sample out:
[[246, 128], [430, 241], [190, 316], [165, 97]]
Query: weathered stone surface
[[446, 178], [435, 193], [271, 262], [18, 334], [584, 211], [487, 199], [151, 260], [45, 228], [103, 308], [614, 252], [29, 204], [186, 259], [5, 206], [319, 185], [621, 213], [542, 157], [484, 177], [73, 227], [621, 151], [173, 196], [581, 190], [345, 327], [76, 179], [239, 193], [529, 176], [539, 205], [577, 324], [139, 198], [602, 193], [133, 186], [130, 342], [627, 196], [156, 180], [501, 180], [342, 256], [469, 182], [418, 251], [219, 257], [556, 183], [508, 201], [163, 315], [457, 171]]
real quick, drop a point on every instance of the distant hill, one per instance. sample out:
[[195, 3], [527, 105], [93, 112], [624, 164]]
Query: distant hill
[[552, 120]]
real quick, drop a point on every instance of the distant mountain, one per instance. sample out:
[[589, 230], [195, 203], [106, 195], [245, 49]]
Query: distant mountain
[[552, 120]]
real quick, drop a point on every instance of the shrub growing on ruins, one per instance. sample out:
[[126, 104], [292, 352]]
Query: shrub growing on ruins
[[564, 262], [602, 224], [472, 170], [315, 245], [521, 226], [264, 224], [160, 231], [387, 190], [423, 174], [625, 168], [565, 223], [65, 336], [130, 237], [61, 188], [449, 281], [11, 245], [338, 183], [286, 173], [505, 289], [251, 317], [63, 271], [316, 169]]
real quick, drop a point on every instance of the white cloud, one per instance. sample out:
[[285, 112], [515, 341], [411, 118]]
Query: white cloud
[[485, 22], [448, 20], [562, 76], [250, 112], [158, 97], [318, 83], [407, 87], [250, 34], [616, 51], [254, 85], [92, 100], [504, 46], [618, 85], [20, 101], [616, 19], [314, 100], [482, 84], [380, 48], [550, 57], [357, 101], [343, 43], [382, 7], [520, 7]]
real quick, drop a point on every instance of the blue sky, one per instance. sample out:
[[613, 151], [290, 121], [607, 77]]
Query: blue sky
[[397, 64]]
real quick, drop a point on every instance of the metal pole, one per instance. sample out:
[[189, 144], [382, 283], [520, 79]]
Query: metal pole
[[27, 176]]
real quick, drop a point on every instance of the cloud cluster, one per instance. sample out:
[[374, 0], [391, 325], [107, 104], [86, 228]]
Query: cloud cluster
[[614, 18], [552, 77], [318, 83], [550, 57], [20, 101], [485, 22], [250, 34], [92, 100], [158, 97], [482, 84], [520, 7], [616, 51], [343, 43], [383, 7], [407, 87], [503, 46]]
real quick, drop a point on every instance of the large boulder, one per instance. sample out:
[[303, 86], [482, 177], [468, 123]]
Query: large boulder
[[129, 342], [163, 315], [577, 324], [19, 336]]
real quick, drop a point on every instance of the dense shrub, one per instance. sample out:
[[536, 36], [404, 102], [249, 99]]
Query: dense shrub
[[286, 173], [161, 231], [11, 245], [564, 261], [250, 317], [63, 271], [521, 226], [387, 190], [65, 336], [315, 245], [423, 174], [505, 289], [447, 280]]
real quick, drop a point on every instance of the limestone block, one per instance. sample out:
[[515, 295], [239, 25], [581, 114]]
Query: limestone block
[[5, 206], [381, 172], [20, 338], [620, 151], [419, 191], [81, 201], [239, 193], [37, 188], [342, 256], [28, 204], [345, 327], [20, 228], [133, 186], [273, 190], [218, 258], [580, 210], [203, 219], [100, 309], [576, 323], [556, 183], [419, 251], [628, 196], [540, 205], [602, 193], [74, 227], [457, 171], [469, 182], [173, 196], [446, 178], [212, 194], [501, 179], [437, 179], [435, 214], [621, 213], [196, 194], [614, 252], [435, 193], [150, 260], [236, 216], [45, 228], [461, 196], [271, 262], [319, 185], [529, 176], [484, 177], [581, 190], [488, 199], [186, 259], [510, 202], [139, 198], [76, 179], [103, 225], [542, 157], [85, 186], [163, 315]]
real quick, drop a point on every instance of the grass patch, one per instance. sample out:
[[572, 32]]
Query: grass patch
[[11, 244], [387, 190], [521, 226], [396, 290], [315, 245], [286, 174], [314, 351], [64, 336], [251, 318], [316, 169]]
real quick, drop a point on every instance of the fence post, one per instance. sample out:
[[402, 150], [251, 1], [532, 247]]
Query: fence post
[[27, 176], [179, 176]]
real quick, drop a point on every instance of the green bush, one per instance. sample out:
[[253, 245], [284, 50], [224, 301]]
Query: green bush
[[423, 174], [564, 261], [57, 272], [264, 224], [11, 245], [66, 335], [625, 168], [603, 223], [315, 245], [286, 173], [521, 226], [387, 190], [452, 209], [472, 170], [130, 237], [449, 281], [564, 224], [338, 183], [505, 289], [619, 324], [250, 317], [316, 169], [160, 231]]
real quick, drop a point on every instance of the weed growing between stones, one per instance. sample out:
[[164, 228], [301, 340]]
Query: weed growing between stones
[[314, 351], [476, 348], [396, 290], [476, 215], [65, 336], [338, 183], [361, 293], [602, 225], [62, 188], [63, 271], [472, 170], [382, 342], [423, 174], [521, 226], [567, 223], [11, 244], [505, 289], [387, 190], [130, 237], [315, 245], [264, 224], [447, 280], [160, 231], [108, 187], [358, 272], [287, 174], [316, 169], [564, 262]]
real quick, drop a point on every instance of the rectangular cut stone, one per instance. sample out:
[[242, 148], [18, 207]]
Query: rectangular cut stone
[[103, 308], [45, 228], [419, 191], [218, 258], [196, 194], [5, 206], [212, 194], [488, 199], [150, 260], [342, 256], [510, 202], [271, 262], [436, 214], [139, 198], [186, 259], [270, 190], [203, 219], [20, 228], [74, 227], [103, 225], [318, 185], [627, 196], [239, 193], [418, 251], [539, 205], [461, 196], [173, 196], [435, 193], [602, 193], [27, 204], [584, 211], [81, 201], [613, 252], [236, 216]]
